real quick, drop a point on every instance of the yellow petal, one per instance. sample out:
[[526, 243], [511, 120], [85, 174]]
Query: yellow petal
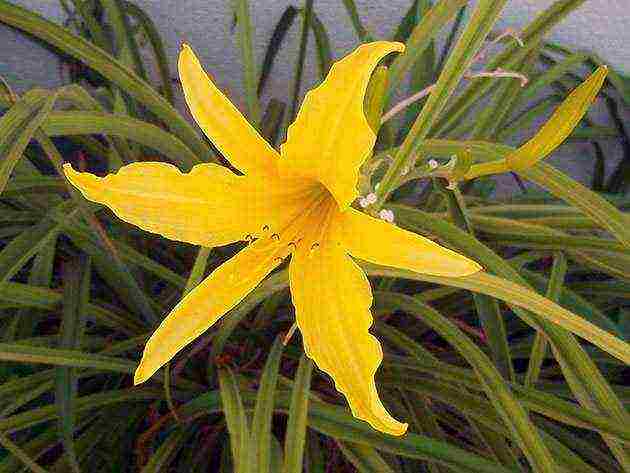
[[560, 125], [383, 243], [221, 121], [209, 206], [332, 299], [205, 304], [331, 137]]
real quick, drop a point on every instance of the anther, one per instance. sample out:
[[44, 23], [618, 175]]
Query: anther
[[367, 200], [275, 237], [292, 246], [433, 164], [249, 237], [386, 215], [265, 228], [314, 246], [277, 260]]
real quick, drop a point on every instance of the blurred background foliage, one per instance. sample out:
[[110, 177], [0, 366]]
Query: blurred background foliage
[[487, 373]]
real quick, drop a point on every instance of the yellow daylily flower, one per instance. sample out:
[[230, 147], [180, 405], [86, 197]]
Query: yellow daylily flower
[[296, 202]]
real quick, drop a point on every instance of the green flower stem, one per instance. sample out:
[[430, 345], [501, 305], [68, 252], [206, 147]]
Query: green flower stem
[[464, 53]]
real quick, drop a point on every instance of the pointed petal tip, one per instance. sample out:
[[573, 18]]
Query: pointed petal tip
[[379, 418], [88, 184], [391, 46], [185, 49], [140, 375], [467, 268], [68, 170], [400, 47], [382, 421], [74, 177], [399, 429]]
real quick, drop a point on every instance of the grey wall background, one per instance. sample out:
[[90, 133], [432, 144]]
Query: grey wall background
[[601, 26]]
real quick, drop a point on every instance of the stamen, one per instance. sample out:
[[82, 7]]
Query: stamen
[[292, 246], [265, 228], [249, 238], [275, 237], [386, 215], [277, 260], [368, 199]]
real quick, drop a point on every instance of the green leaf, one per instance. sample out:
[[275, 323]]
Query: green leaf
[[546, 176], [552, 74], [111, 267], [470, 42], [404, 373], [49, 412], [421, 39], [70, 358], [297, 422], [41, 274], [275, 42], [102, 62], [160, 459], [272, 121], [235, 418], [520, 296], [337, 422], [24, 295], [511, 55], [574, 361], [15, 450], [245, 36], [492, 118], [353, 13], [147, 134], [153, 35], [307, 13], [23, 247], [374, 98], [488, 309], [574, 193], [364, 458], [260, 446], [322, 45], [17, 127], [511, 411], [76, 277]]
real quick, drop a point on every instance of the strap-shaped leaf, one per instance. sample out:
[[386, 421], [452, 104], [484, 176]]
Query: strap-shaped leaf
[[17, 127]]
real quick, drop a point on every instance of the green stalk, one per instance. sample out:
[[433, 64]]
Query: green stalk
[[483, 18]]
